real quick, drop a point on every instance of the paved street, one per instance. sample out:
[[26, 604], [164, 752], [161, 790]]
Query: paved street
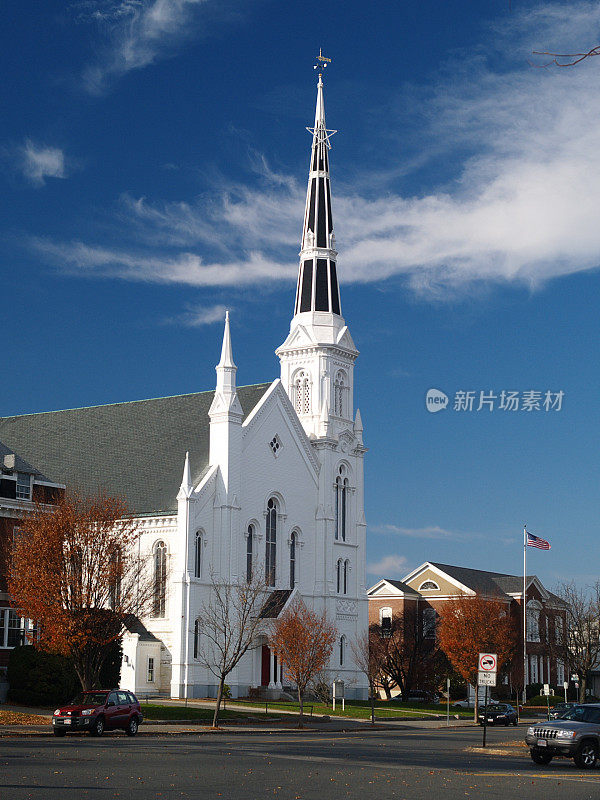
[[406, 764]]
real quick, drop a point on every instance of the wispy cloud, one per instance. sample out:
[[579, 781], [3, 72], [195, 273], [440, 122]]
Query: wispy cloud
[[519, 205], [138, 33], [183, 268], [39, 162], [429, 532], [198, 316], [391, 566]]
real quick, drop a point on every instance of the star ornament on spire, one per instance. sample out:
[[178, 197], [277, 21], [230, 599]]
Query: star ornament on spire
[[320, 133]]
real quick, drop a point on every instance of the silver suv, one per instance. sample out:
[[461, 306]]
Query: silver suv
[[575, 735]]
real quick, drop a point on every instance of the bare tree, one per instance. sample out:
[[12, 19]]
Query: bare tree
[[558, 59], [228, 626], [582, 636], [408, 656], [369, 657]]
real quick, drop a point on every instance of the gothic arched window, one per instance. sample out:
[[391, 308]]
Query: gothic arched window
[[342, 650], [115, 575], [198, 555], [160, 580], [339, 389], [249, 552], [196, 638], [302, 393], [271, 552], [346, 570], [341, 503], [339, 576], [293, 545]]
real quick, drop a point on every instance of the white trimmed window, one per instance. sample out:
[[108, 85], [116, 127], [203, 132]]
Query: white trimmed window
[[385, 620], [196, 637], [342, 489], [339, 391], [198, 554], [429, 622], [249, 553], [302, 393], [533, 622], [271, 543], [160, 580], [428, 585], [150, 669], [293, 553], [23, 486]]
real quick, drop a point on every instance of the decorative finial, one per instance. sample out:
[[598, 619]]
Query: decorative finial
[[323, 62]]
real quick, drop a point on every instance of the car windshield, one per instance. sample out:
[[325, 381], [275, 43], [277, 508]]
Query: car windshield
[[582, 714], [89, 699], [495, 707]]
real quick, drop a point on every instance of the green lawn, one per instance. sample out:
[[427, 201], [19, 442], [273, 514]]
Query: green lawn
[[171, 712], [361, 709]]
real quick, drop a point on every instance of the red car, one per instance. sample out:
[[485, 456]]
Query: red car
[[98, 711]]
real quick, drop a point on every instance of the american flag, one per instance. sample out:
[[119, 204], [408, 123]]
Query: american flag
[[535, 541]]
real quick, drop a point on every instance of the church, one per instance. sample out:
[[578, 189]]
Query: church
[[224, 482]]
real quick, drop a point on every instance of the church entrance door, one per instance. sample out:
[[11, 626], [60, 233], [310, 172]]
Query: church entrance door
[[265, 674]]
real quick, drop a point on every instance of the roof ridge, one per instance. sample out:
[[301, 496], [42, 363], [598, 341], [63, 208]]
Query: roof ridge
[[485, 571], [126, 402]]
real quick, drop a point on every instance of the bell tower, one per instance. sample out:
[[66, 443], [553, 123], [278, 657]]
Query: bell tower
[[317, 358]]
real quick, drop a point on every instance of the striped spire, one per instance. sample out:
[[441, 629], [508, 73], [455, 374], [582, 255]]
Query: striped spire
[[317, 279]]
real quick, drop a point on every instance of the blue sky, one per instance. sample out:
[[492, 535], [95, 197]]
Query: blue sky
[[153, 159]]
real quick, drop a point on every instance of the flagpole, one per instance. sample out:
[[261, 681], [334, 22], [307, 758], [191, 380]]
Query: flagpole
[[524, 614]]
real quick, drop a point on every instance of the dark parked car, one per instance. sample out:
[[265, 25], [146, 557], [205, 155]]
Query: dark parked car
[[575, 735], [418, 696], [498, 714], [560, 709], [99, 711]]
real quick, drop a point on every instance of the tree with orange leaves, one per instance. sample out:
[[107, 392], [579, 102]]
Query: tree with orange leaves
[[472, 625], [76, 571], [303, 641]]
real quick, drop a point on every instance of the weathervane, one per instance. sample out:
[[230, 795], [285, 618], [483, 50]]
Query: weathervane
[[320, 133], [323, 62]]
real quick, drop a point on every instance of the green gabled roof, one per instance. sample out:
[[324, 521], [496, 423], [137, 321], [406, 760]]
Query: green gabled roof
[[135, 450]]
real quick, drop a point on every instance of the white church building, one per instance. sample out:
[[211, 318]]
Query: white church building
[[272, 480]]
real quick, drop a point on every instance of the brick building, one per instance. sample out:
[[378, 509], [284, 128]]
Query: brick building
[[422, 593], [21, 486]]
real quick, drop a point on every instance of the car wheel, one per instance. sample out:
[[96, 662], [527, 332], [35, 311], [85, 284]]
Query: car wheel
[[515, 722], [132, 728], [587, 755], [540, 756], [58, 733], [97, 728]]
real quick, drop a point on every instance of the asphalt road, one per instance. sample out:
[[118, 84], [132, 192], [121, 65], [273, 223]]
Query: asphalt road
[[416, 764]]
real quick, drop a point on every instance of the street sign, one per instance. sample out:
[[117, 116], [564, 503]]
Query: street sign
[[565, 685], [546, 689], [486, 679], [488, 662], [574, 677]]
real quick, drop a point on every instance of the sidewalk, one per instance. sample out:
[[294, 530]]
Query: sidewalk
[[187, 727]]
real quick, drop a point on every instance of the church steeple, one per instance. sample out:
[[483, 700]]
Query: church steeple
[[317, 358], [317, 288]]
